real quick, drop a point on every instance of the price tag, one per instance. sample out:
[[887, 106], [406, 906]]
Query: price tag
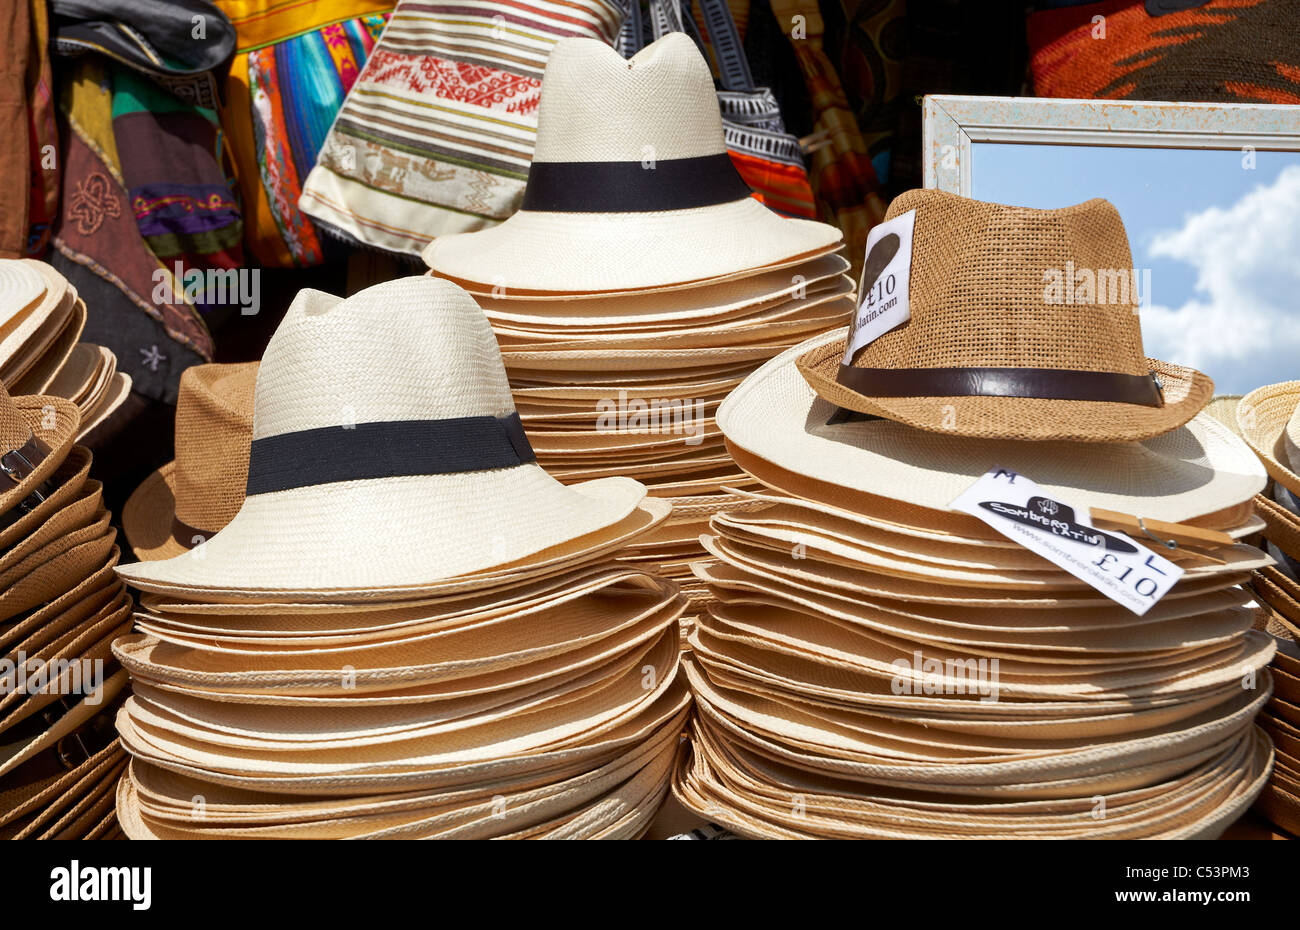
[[1113, 563], [883, 291]]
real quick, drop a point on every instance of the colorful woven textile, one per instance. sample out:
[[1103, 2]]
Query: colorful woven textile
[[152, 330], [179, 195], [437, 134], [768, 158], [294, 65], [1243, 51], [848, 188], [43, 138]]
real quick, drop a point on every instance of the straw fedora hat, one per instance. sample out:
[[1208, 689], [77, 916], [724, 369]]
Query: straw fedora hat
[[1269, 419], [707, 305], [630, 185], [36, 435], [776, 416], [992, 351], [34, 294], [189, 499], [387, 456]]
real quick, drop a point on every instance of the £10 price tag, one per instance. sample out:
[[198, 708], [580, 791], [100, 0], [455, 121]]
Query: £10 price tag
[[883, 298], [1113, 563]]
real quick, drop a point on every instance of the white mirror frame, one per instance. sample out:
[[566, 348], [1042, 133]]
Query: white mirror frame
[[952, 123]]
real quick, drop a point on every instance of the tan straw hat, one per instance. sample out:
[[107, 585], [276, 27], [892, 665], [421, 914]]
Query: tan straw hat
[[630, 186], [1269, 419], [36, 434], [32, 295], [387, 455], [993, 350], [775, 415], [188, 500]]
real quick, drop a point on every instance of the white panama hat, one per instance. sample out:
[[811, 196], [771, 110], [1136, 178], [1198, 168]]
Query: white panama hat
[[387, 456], [630, 187], [1189, 472]]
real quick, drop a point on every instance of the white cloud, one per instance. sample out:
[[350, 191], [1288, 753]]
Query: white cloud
[[1242, 326]]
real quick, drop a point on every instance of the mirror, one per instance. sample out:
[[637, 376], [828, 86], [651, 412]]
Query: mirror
[[1209, 196]]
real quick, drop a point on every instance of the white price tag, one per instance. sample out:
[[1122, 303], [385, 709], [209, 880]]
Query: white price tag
[[882, 292], [1111, 562]]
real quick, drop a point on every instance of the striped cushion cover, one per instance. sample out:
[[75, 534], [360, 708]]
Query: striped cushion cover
[[437, 133]]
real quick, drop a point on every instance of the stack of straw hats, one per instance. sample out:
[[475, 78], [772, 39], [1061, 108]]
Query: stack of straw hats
[[877, 665], [640, 282], [408, 628], [41, 321], [1269, 419], [61, 607]]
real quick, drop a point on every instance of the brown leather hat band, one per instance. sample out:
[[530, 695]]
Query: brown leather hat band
[[1043, 383], [16, 466]]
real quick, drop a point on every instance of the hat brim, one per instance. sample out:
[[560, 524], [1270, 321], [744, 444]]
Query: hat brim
[[43, 371], [1282, 526], [1262, 416], [114, 396], [148, 517], [1186, 392], [38, 291], [764, 293], [1189, 472], [54, 421], [605, 252], [391, 536]]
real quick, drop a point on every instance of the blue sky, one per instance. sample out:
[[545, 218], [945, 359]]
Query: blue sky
[[1222, 243]]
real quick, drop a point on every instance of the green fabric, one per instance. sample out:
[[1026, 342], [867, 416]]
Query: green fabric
[[134, 93], [219, 240]]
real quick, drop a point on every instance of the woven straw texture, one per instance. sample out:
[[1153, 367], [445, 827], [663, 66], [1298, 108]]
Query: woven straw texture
[[1187, 473], [60, 608], [204, 487], [597, 106], [978, 298], [879, 673], [333, 363], [551, 712], [1269, 419]]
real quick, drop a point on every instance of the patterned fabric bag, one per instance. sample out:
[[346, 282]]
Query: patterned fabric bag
[[1228, 51], [437, 134], [293, 66], [767, 157]]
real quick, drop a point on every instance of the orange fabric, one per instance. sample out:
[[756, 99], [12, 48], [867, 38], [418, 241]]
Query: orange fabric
[[1227, 50], [261, 234], [779, 186], [261, 22]]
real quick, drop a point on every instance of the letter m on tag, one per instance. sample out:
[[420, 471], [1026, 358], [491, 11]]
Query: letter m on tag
[[1004, 473]]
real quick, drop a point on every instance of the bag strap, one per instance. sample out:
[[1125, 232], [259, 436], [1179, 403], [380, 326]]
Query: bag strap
[[665, 17], [675, 16], [631, 37], [733, 67]]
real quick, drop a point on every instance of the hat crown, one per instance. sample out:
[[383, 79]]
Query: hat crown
[[598, 106], [1013, 287], [1291, 440], [214, 426], [15, 430], [416, 348]]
